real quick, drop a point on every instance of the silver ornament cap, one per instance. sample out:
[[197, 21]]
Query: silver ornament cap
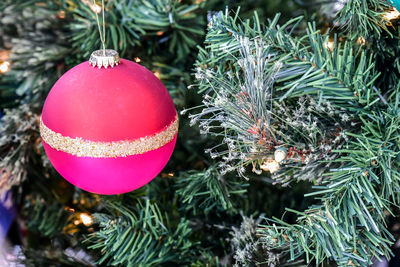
[[104, 58]]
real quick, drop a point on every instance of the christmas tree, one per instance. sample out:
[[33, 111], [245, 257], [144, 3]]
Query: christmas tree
[[288, 146]]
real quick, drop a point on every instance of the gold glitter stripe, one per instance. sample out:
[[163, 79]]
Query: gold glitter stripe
[[84, 148]]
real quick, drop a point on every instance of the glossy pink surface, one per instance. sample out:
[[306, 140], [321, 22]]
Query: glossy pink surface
[[111, 175]]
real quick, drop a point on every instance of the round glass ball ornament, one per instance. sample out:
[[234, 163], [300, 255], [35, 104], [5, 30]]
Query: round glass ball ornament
[[109, 126]]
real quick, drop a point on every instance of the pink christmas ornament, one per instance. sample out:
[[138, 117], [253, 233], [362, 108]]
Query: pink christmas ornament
[[109, 130]]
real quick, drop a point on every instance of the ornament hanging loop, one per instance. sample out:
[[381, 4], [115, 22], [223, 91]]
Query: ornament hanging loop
[[103, 57], [102, 35]]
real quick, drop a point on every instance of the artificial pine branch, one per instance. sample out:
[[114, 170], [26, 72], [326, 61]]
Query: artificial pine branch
[[203, 191], [343, 228], [267, 89], [249, 249], [48, 220], [364, 17], [39, 46], [138, 234], [178, 23], [308, 62], [131, 23], [122, 33], [350, 226], [19, 130]]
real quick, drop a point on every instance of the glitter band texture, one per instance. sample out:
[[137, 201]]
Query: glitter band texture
[[84, 148]]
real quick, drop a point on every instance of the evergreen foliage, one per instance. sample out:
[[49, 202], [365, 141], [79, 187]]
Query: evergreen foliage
[[137, 235], [203, 191], [349, 226], [318, 81]]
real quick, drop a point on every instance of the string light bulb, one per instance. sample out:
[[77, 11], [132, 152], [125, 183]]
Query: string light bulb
[[96, 8], [86, 219], [93, 6], [361, 40], [137, 60], [61, 14], [4, 67], [329, 44]]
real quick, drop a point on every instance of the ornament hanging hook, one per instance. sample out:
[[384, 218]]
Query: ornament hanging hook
[[103, 57], [102, 35]]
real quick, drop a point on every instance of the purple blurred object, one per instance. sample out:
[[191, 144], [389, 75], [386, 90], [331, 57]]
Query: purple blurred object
[[7, 214], [382, 262]]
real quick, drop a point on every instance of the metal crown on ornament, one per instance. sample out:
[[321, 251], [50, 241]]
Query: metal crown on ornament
[[103, 57]]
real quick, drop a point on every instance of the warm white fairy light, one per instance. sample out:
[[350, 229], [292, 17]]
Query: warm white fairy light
[[392, 14], [137, 60], [361, 40], [61, 14], [157, 74], [4, 67], [329, 44], [95, 8], [86, 219]]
